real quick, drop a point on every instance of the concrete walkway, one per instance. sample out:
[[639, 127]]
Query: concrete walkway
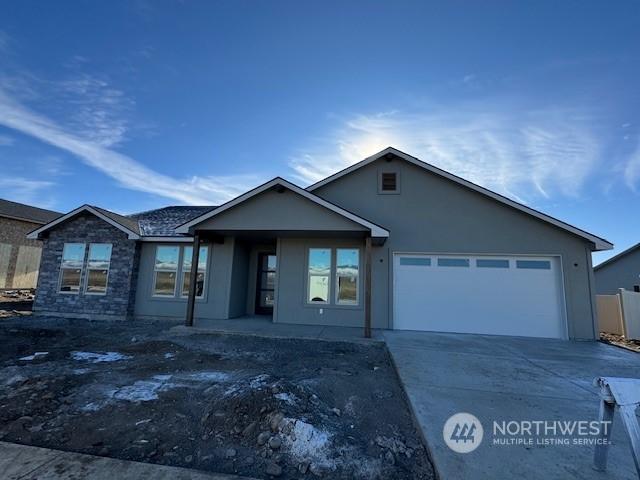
[[263, 326], [22, 462], [509, 378]]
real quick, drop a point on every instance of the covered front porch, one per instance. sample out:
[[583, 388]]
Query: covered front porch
[[294, 258]]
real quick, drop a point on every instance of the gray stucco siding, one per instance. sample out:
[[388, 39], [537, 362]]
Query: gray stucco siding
[[214, 303], [434, 215], [621, 273], [292, 282], [286, 211], [116, 303]]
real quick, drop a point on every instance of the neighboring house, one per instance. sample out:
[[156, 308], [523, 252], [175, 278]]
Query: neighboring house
[[19, 256], [391, 241], [620, 271]]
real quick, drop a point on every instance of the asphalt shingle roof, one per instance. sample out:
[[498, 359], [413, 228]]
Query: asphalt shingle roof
[[26, 212], [163, 221]]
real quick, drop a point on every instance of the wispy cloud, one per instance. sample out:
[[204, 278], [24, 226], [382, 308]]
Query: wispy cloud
[[632, 169], [522, 155], [87, 116], [124, 169], [25, 190]]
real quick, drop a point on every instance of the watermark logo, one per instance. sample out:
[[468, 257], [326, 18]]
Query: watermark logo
[[462, 432]]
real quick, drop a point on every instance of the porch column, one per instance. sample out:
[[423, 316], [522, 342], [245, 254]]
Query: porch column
[[367, 287], [193, 278]]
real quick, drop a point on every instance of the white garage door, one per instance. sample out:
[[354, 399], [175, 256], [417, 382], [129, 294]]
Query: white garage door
[[497, 295]]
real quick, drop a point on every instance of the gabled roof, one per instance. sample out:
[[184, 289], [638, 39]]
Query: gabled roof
[[599, 243], [125, 224], [617, 257], [20, 211], [376, 230]]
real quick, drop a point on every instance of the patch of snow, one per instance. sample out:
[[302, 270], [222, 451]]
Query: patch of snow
[[306, 442], [232, 390], [94, 357], [169, 355], [210, 376], [143, 390], [92, 407], [141, 422], [34, 356], [289, 398], [259, 381]]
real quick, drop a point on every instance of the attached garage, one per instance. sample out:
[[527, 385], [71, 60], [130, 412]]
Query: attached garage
[[493, 295]]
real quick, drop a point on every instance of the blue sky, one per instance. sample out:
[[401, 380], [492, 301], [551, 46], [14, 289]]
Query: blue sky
[[134, 105]]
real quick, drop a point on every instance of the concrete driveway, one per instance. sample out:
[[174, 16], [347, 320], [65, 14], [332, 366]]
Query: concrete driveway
[[511, 378]]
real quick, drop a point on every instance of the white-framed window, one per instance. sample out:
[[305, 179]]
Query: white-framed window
[[71, 267], [187, 255], [319, 275], [98, 264], [347, 276], [165, 270]]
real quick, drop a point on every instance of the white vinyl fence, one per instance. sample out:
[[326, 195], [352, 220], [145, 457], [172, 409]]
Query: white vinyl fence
[[620, 313]]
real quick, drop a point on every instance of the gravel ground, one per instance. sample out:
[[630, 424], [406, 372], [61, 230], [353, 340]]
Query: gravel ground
[[620, 341], [233, 404]]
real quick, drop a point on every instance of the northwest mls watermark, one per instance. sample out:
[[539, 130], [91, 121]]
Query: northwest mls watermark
[[463, 433]]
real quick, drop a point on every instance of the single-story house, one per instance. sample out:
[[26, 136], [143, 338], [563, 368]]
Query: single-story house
[[390, 242], [619, 271], [20, 256]]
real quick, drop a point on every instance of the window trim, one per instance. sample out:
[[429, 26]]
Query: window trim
[[337, 283], [62, 268], [88, 269], [155, 272], [182, 272], [309, 275]]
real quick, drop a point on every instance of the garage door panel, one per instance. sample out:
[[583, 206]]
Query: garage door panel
[[488, 295]]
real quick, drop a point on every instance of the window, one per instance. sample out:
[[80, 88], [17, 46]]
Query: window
[[71, 268], [347, 273], [490, 263], [319, 275], [453, 262], [187, 255], [415, 261], [388, 182], [98, 268], [534, 264], [165, 271]]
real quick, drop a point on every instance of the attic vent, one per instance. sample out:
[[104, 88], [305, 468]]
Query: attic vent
[[388, 182]]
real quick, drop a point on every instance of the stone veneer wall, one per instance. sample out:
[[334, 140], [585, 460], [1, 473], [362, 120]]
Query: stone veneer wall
[[118, 301]]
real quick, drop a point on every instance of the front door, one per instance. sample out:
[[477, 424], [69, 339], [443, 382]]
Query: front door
[[266, 283]]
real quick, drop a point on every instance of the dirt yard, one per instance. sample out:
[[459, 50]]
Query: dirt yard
[[233, 404], [15, 302]]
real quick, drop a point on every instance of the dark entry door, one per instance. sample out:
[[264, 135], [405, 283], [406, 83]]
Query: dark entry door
[[266, 283]]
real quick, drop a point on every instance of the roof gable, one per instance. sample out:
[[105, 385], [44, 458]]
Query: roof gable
[[124, 224], [617, 257], [599, 243], [280, 183]]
